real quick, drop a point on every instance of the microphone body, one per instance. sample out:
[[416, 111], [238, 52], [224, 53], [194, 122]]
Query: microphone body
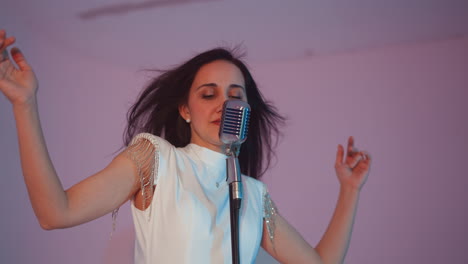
[[233, 132]]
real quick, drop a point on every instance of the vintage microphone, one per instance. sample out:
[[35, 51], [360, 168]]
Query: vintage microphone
[[233, 132]]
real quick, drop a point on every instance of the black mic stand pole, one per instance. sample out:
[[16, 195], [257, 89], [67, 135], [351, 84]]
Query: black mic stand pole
[[235, 197]]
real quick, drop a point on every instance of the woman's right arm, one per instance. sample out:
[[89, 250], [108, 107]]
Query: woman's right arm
[[54, 207]]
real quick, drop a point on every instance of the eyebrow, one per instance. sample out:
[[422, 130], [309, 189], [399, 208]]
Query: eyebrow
[[215, 85]]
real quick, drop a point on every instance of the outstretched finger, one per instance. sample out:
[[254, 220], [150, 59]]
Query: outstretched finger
[[19, 58], [4, 43], [339, 155], [350, 149], [9, 41]]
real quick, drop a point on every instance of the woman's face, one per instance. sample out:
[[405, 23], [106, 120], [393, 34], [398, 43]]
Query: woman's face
[[214, 83]]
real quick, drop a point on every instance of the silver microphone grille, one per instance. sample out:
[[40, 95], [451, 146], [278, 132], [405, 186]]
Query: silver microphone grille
[[235, 122]]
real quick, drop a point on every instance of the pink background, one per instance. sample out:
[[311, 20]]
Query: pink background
[[405, 104]]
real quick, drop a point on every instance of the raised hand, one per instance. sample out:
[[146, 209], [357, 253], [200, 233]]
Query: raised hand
[[19, 85], [352, 170]]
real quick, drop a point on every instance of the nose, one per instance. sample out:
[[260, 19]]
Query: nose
[[222, 99], [219, 108]]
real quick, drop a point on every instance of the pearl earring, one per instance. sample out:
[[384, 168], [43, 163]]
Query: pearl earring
[[187, 120]]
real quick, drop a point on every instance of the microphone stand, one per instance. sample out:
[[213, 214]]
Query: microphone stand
[[233, 132], [235, 197]]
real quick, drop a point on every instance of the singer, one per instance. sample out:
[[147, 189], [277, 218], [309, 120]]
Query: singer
[[173, 168]]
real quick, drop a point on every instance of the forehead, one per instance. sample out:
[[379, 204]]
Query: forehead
[[221, 72]]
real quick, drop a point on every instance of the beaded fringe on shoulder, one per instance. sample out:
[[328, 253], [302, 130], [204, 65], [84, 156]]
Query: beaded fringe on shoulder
[[143, 150], [269, 215]]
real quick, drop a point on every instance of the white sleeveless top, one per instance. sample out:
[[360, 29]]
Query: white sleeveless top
[[188, 219]]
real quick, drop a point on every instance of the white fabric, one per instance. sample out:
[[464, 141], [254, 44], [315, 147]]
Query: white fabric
[[188, 219]]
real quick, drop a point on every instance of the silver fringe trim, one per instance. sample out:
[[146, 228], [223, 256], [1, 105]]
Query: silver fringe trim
[[269, 215], [143, 150]]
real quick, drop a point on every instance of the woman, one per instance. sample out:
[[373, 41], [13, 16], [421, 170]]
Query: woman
[[176, 183]]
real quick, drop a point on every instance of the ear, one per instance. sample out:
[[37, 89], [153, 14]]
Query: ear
[[184, 111]]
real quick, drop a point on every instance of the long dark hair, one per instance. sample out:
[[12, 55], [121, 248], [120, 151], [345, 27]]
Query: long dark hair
[[157, 111]]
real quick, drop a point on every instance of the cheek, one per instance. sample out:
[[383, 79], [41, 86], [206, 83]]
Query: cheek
[[198, 111], [203, 111]]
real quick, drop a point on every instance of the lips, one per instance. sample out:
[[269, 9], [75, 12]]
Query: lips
[[217, 122]]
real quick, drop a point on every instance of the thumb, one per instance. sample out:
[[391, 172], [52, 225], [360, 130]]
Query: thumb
[[19, 59], [355, 160]]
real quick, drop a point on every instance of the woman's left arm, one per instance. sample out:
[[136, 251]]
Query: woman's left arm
[[288, 246]]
